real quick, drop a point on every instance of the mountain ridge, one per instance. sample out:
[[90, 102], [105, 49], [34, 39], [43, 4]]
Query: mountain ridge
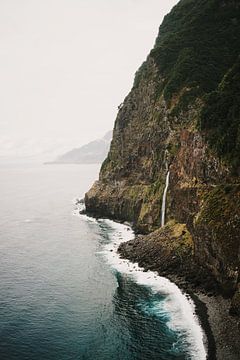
[[93, 152]]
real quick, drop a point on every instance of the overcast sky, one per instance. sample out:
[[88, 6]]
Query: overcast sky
[[65, 66]]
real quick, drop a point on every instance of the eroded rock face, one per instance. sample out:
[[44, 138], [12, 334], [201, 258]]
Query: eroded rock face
[[133, 175], [170, 252], [146, 142], [154, 134], [165, 249]]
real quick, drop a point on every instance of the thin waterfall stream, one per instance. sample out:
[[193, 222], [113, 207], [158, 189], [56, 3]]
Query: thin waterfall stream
[[164, 199]]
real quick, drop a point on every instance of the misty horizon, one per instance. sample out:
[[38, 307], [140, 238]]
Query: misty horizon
[[64, 70]]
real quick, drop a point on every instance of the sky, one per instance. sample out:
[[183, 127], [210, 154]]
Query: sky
[[65, 66]]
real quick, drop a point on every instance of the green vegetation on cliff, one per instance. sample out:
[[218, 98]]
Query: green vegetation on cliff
[[182, 116], [197, 43], [220, 118], [219, 218]]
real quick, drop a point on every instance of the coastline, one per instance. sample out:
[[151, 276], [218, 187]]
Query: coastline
[[185, 303], [221, 329], [201, 311], [191, 308]]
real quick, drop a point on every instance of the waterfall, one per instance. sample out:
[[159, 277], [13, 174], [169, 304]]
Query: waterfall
[[164, 199]]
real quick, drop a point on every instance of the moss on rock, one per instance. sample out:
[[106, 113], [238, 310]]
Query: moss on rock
[[217, 234], [169, 248]]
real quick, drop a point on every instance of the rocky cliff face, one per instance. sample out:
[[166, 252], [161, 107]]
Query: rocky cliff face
[[162, 126]]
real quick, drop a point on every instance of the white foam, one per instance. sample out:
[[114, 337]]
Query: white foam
[[77, 212], [179, 309]]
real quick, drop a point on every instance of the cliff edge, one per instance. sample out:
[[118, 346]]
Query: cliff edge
[[182, 118]]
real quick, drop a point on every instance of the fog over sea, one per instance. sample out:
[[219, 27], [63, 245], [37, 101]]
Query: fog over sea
[[64, 292]]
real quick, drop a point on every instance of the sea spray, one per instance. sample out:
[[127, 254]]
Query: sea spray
[[179, 309], [164, 199], [175, 306]]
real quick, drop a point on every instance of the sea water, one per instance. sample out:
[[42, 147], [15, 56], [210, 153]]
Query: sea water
[[64, 291]]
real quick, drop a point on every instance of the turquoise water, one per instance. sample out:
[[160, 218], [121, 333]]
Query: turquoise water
[[61, 294]]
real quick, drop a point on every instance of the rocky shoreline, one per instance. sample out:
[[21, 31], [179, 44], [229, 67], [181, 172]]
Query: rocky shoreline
[[221, 329], [175, 152], [169, 252]]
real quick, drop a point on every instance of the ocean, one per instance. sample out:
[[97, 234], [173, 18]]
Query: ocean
[[65, 293]]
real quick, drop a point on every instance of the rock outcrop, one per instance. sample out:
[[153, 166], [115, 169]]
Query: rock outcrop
[[162, 126]]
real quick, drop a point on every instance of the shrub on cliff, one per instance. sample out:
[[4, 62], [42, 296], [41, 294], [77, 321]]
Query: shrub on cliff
[[221, 118], [197, 43]]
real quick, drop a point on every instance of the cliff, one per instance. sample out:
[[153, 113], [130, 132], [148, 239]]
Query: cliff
[[183, 116]]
